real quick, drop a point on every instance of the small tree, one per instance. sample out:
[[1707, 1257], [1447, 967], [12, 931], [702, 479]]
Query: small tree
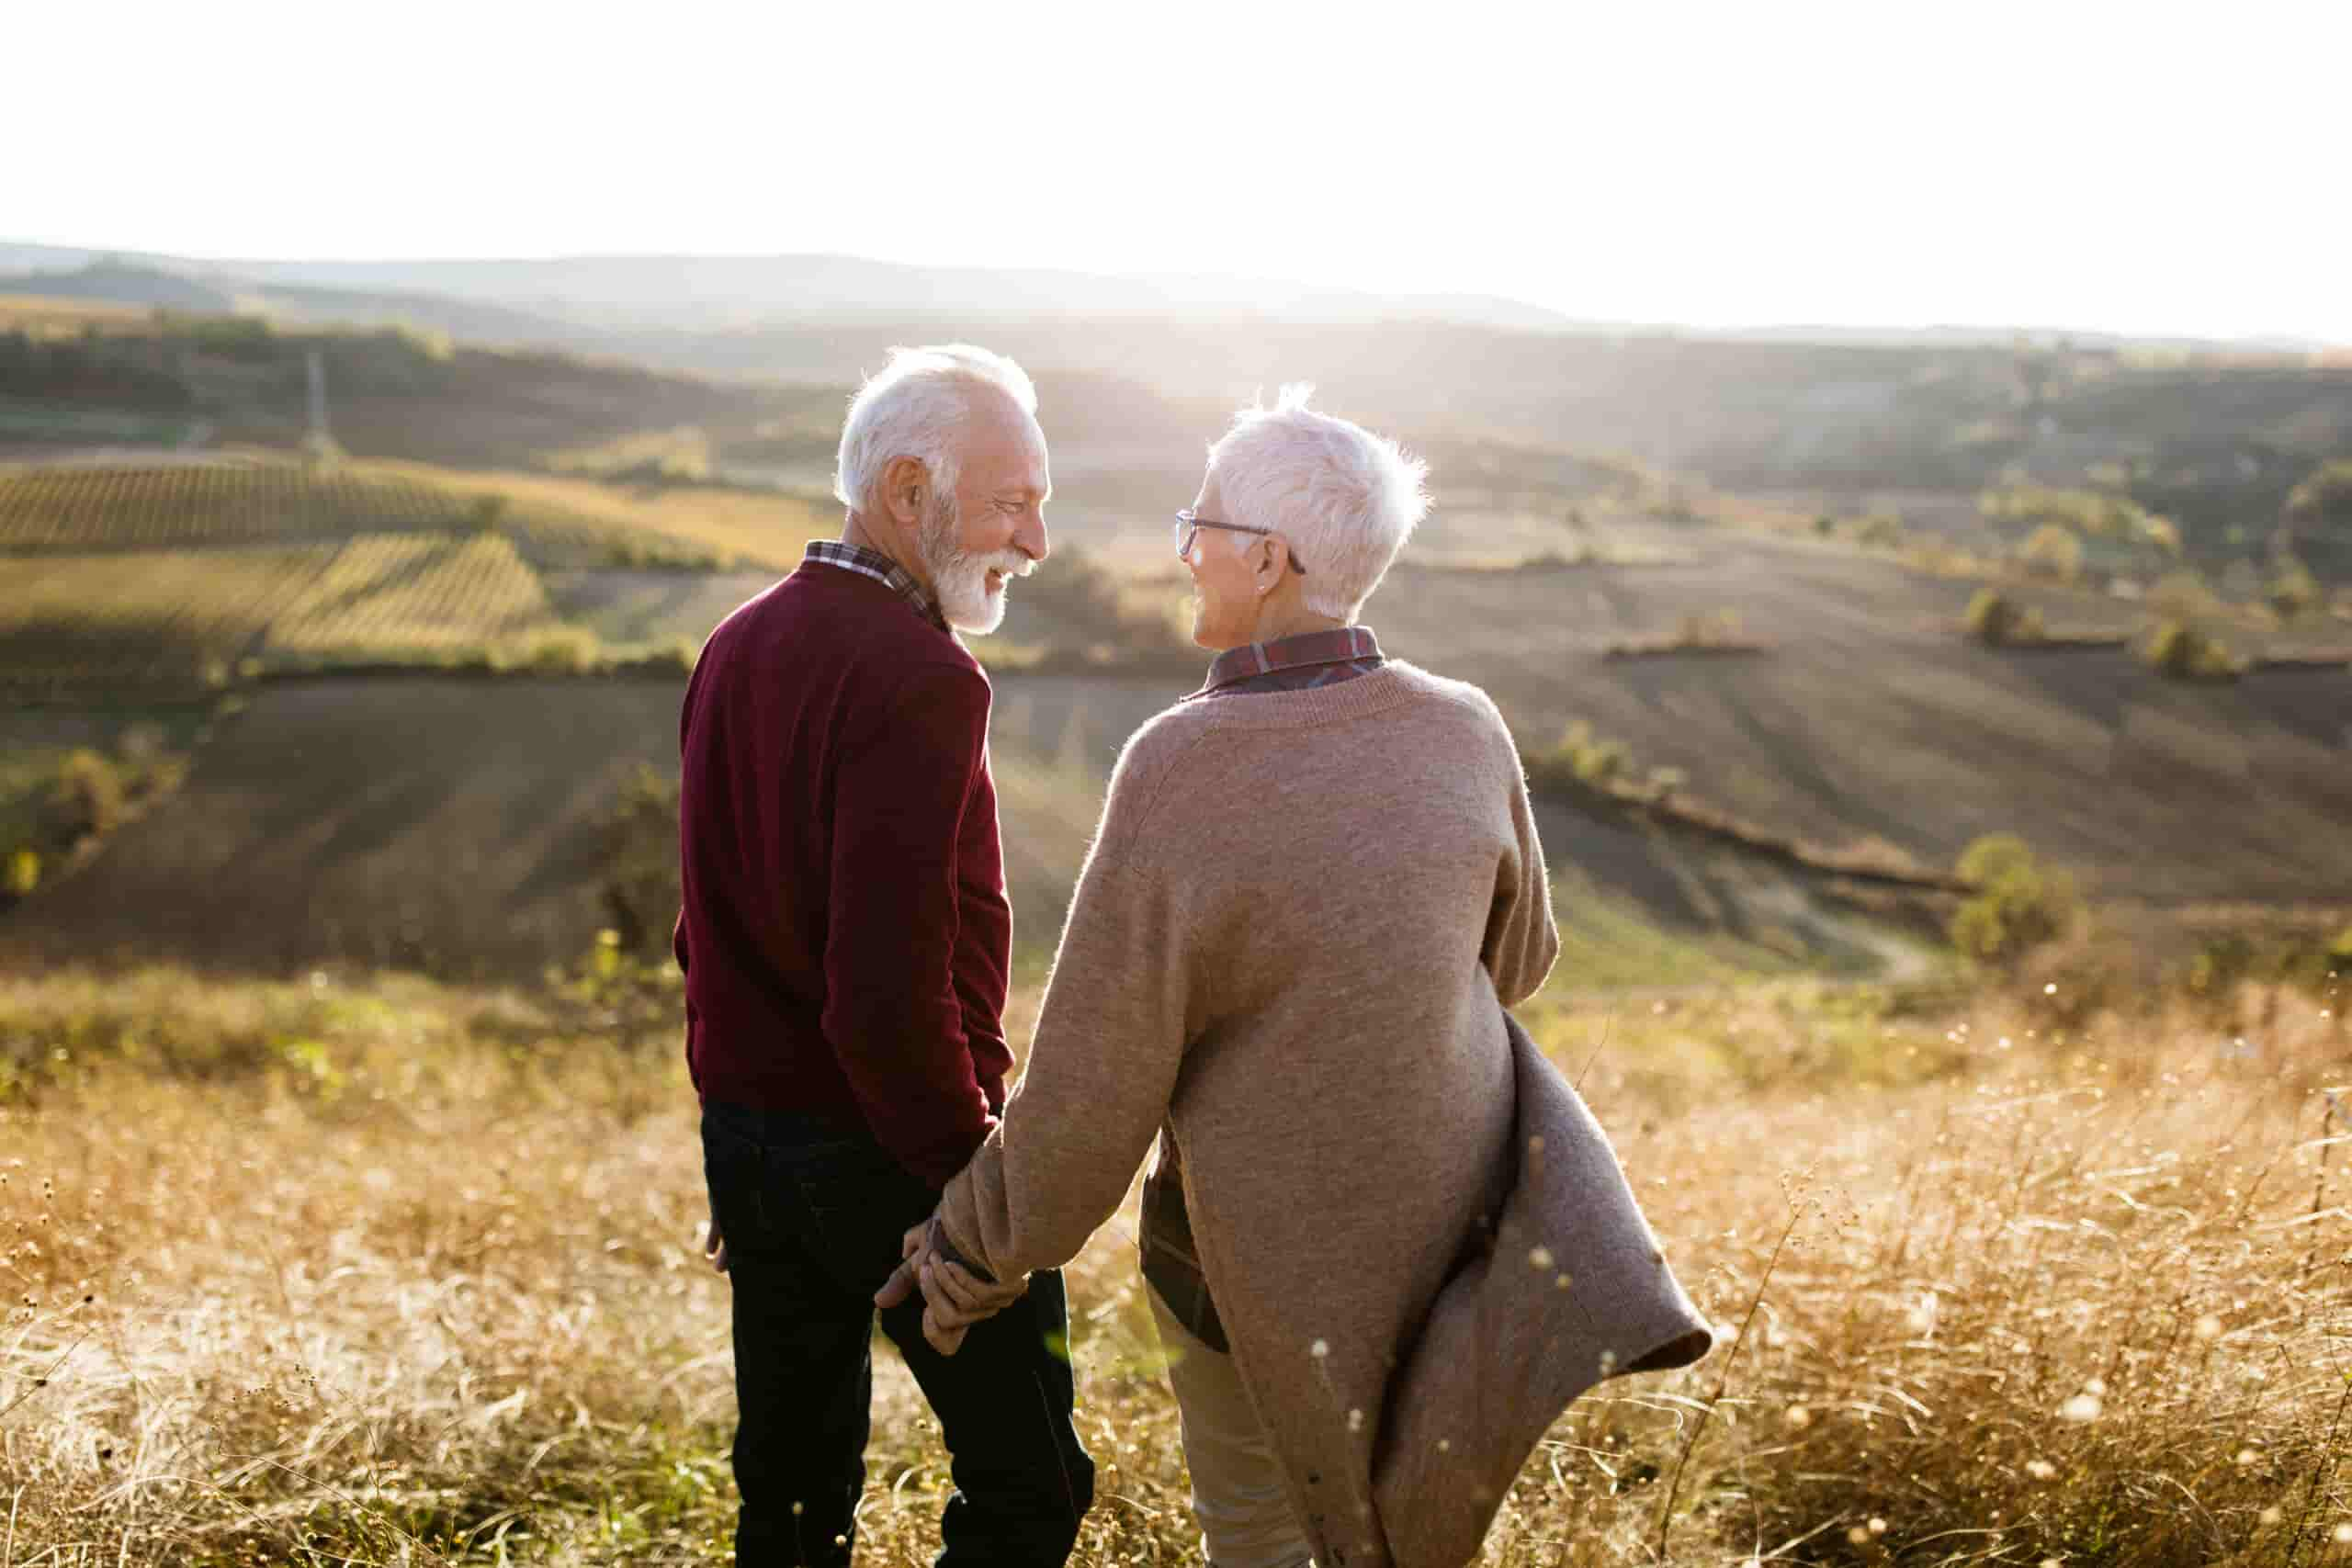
[[2018, 904], [2326, 495], [2293, 590], [1594, 759], [640, 854], [2162, 532], [1998, 621], [84, 798], [1881, 530], [2179, 651], [2053, 550]]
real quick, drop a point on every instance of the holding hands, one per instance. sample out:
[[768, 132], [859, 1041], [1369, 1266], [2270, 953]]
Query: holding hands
[[953, 1297]]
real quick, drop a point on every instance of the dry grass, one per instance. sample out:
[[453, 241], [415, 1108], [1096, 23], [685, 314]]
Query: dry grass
[[401, 1274]]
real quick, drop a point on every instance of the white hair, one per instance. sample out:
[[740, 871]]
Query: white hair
[[1343, 498], [914, 408]]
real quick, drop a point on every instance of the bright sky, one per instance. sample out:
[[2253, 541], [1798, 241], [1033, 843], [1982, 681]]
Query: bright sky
[[2142, 167]]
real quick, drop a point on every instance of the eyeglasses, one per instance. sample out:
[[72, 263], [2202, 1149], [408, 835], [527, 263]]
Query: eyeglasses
[[1187, 528]]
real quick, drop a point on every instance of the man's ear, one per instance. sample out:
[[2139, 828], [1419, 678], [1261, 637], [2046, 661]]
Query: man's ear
[[905, 491]]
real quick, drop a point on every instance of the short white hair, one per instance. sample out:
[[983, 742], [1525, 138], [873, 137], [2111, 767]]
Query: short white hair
[[914, 409], [1342, 497]]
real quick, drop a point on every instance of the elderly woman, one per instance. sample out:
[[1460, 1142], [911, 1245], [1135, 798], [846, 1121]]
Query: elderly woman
[[1386, 1244]]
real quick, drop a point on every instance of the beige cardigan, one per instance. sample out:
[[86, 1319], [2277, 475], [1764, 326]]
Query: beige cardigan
[[1293, 942]]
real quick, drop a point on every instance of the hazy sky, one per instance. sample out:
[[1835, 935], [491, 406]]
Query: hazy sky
[[2143, 167]]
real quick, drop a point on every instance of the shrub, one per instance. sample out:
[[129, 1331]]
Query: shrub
[[2053, 550], [2183, 593], [2326, 495], [233, 337], [86, 799], [2293, 590], [1580, 763], [1998, 621], [2088, 511], [631, 996], [639, 844], [1595, 760], [673, 657], [1708, 629], [2179, 651], [556, 650], [2018, 904], [1881, 530]]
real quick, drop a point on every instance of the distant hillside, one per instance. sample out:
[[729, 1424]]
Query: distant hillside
[[456, 828], [565, 295], [2213, 444], [127, 283], [121, 284], [557, 297]]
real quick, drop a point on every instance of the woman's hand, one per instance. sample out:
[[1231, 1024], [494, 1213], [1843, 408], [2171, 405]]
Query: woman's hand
[[953, 1297]]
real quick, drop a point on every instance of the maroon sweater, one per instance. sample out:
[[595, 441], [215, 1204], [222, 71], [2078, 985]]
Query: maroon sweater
[[845, 935]]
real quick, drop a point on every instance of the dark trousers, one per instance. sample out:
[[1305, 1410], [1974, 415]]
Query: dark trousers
[[812, 1217]]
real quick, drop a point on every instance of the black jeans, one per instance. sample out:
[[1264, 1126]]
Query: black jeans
[[812, 1217]]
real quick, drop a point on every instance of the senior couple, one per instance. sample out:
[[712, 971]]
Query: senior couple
[[1384, 1242]]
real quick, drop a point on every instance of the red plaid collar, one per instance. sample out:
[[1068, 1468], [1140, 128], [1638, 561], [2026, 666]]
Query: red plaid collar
[[881, 568], [1342, 645]]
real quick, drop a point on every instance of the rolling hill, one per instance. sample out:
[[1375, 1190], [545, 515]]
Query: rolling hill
[[457, 828], [505, 496]]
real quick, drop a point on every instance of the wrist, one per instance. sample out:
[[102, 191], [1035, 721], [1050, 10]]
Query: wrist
[[948, 1252]]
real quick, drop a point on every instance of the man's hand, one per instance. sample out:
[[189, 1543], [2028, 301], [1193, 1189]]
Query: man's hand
[[714, 1245], [954, 1298], [904, 1280]]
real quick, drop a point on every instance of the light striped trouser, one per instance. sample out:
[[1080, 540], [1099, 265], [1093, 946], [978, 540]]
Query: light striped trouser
[[1238, 1495]]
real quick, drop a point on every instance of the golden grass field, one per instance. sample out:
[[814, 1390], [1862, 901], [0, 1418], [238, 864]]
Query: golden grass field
[[372, 1271]]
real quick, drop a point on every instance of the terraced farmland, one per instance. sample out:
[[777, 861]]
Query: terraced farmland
[[392, 594], [631, 524], [167, 619], [566, 523], [183, 506], [163, 578]]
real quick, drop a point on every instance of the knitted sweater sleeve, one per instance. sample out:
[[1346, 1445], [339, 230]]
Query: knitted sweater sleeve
[[1103, 1068], [1522, 939]]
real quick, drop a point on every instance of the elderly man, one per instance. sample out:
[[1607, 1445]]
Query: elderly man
[[845, 940], [1386, 1244]]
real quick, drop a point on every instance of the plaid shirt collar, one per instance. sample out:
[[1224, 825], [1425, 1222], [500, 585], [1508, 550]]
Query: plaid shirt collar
[[881, 568], [1342, 645]]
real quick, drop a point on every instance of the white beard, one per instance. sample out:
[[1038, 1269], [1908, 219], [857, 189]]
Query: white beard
[[960, 577]]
